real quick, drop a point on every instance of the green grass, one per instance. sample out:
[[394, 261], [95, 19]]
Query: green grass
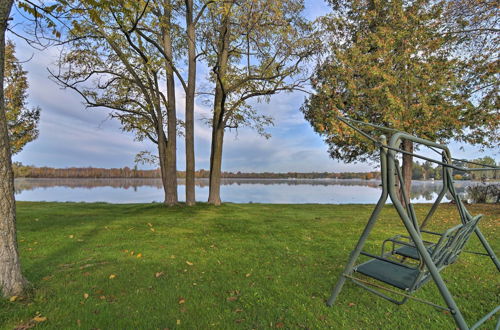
[[250, 266]]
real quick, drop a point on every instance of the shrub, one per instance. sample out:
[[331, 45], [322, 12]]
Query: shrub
[[484, 193]]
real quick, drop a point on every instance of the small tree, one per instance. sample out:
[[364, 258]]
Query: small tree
[[22, 122]]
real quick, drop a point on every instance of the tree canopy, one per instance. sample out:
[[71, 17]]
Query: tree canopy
[[394, 63]]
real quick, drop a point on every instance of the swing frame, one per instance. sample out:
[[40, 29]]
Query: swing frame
[[389, 172]]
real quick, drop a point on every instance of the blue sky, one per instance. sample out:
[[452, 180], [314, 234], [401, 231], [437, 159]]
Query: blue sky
[[71, 135]]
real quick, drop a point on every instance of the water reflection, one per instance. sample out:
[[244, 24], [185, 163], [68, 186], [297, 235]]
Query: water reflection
[[232, 190]]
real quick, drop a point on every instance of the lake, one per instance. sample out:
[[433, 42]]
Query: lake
[[280, 191]]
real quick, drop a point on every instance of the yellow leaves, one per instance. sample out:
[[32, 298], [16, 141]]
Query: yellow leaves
[[189, 263], [71, 236], [112, 276], [85, 296], [132, 253], [181, 301], [39, 319], [178, 322], [248, 275], [159, 274], [13, 298], [232, 298], [152, 229], [150, 225]]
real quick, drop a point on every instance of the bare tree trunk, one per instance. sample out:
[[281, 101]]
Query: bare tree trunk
[[171, 161], [218, 122], [162, 153], [216, 157], [190, 158], [12, 282], [407, 167]]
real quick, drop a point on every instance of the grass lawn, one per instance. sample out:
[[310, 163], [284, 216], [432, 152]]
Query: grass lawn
[[146, 266]]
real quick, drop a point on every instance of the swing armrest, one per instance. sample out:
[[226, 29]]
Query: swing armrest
[[431, 232]]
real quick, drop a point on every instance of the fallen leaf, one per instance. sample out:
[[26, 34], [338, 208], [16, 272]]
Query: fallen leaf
[[85, 296], [150, 224], [131, 253], [71, 236], [39, 318], [178, 322], [86, 274], [172, 257], [189, 263], [139, 255], [182, 301], [238, 310], [233, 298], [351, 304], [47, 278], [102, 297], [79, 323], [248, 275], [112, 276], [152, 229], [158, 274], [239, 320], [13, 298], [280, 325]]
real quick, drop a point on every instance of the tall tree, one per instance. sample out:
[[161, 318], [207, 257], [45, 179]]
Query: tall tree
[[191, 12], [159, 32], [391, 63], [190, 89], [22, 122], [12, 282], [125, 71], [255, 49]]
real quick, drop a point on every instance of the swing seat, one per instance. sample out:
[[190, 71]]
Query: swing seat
[[399, 276], [411, 252]]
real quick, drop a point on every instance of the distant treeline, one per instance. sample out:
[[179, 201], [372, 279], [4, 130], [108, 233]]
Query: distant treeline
[[424, 171], [26, 171]]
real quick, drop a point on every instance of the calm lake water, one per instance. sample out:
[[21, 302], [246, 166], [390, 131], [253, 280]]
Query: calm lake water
[[323, 191]]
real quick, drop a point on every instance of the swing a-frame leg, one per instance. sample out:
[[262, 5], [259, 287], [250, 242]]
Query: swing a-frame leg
[[432, 258]]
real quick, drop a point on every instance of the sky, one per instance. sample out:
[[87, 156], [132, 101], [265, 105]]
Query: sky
[[72, 135]]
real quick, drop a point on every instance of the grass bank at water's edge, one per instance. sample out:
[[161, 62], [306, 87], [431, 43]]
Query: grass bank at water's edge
[[146, 266]]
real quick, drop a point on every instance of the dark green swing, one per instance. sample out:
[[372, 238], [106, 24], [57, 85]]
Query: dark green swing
[[407, 262]]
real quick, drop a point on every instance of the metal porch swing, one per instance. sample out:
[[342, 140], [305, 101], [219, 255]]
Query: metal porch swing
[[409, 261]]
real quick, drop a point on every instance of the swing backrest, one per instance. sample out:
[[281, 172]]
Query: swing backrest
[[452, 242]]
